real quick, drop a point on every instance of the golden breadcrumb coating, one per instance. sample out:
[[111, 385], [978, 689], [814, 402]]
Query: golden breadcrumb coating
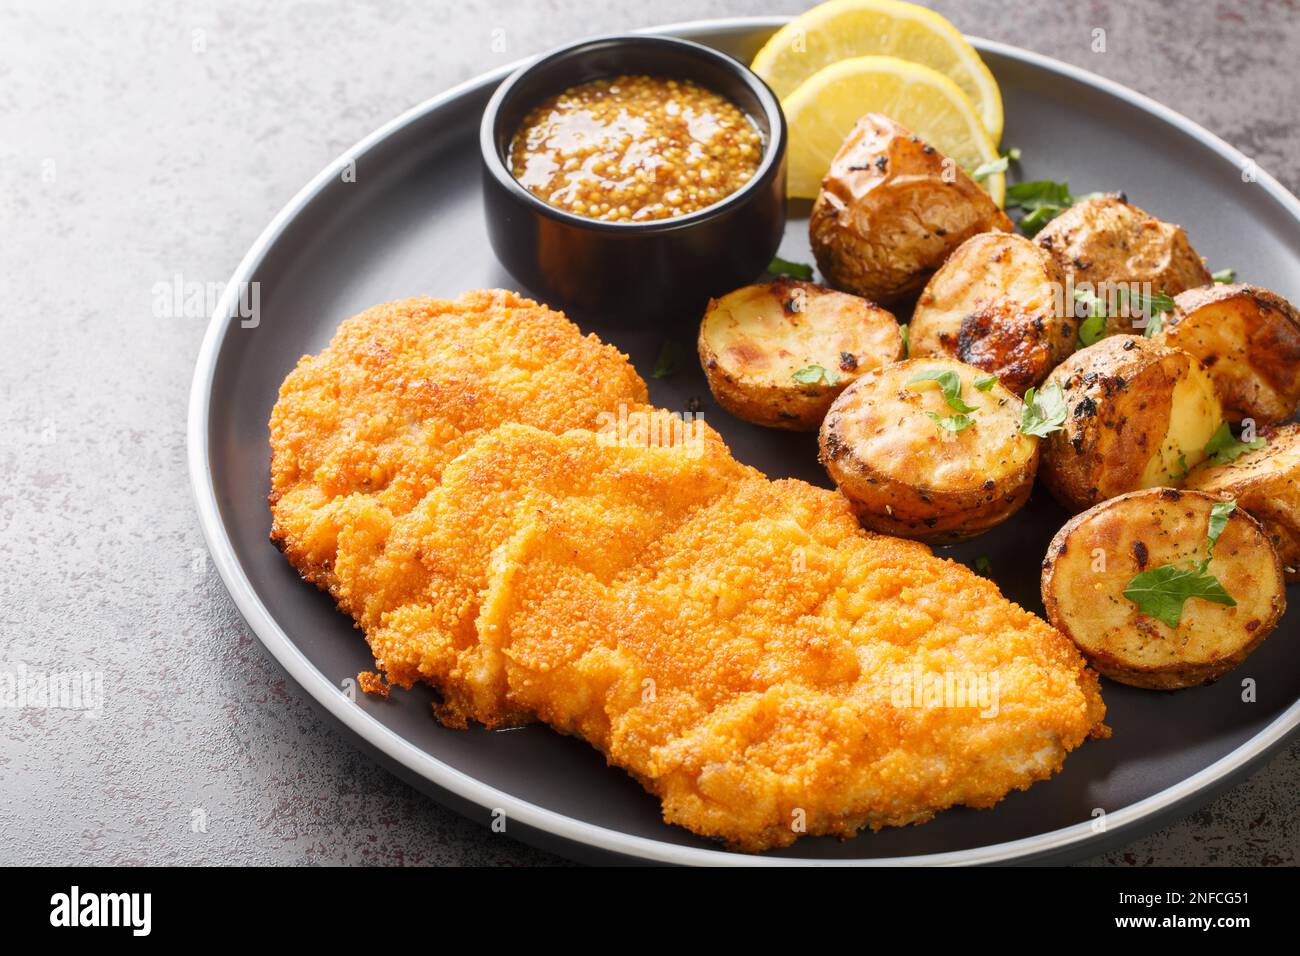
[[740, 646], [407, 386]]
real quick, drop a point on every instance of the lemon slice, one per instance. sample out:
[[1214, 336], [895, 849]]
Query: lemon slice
[[822, 111], [842, 29]]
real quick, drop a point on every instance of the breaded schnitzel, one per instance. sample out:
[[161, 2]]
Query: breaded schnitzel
[[740, 646], [405, 387]]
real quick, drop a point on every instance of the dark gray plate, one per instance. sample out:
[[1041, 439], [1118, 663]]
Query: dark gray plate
[[411, 224]]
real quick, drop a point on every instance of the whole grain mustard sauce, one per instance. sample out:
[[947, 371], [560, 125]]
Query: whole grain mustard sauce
[[635, 149]]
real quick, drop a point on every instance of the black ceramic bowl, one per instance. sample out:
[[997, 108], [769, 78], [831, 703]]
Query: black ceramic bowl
[[635, 272]]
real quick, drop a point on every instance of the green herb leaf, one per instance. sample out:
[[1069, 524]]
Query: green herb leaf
[[1219, 514], [1091, 301], [811, 374], [983, 565], [1224, 276], [1223, 448], [1042, 200], [999, 165], [1045, 411], [907, 343], [985, 170], [1162, 592], [784, 267], [950, 383], [666, 363], [1093, 328], [1038, 193], [985, 382], [953, 423], [1032, 224], [1150, 306]]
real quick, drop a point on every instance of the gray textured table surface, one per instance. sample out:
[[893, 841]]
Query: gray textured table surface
[[139, 142]]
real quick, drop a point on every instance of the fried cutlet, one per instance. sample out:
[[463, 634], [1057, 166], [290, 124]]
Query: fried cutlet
[[740, 646], [367, 426]]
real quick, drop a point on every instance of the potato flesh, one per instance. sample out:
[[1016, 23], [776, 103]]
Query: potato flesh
[[1265, 482], [889, 428], [1194, 417], [766, 333], [1249, 338], [1133, 408], [754, 340], [906, 475], [1095, 557]]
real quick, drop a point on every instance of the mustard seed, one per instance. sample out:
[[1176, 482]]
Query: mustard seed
[[646, 142]]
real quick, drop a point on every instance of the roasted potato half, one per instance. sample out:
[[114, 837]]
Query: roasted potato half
[[997, 304], [1137, 415], [1266, 482], [1106, 242], [891, 209], [1249, 339], [1097, 556], [778, 353], [885, 444]]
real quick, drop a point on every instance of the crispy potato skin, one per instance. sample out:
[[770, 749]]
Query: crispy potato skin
[[1109, 241], [1134, 408], [753, 340], [891, 209], [996, 303], [1265, 482], [1249, 339], [1093, 558], [906, 476]]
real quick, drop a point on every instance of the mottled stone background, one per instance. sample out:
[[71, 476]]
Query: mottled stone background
[[127, 157]]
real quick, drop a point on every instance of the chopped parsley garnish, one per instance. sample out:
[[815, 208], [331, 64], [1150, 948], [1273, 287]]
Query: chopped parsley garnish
[[953, 423], [1162, 592], [1223, 447], [1093, 328], [1045, 411], [1224, 276], [1151, 308], [1219, 513], [983, 565], [812, 374], [907, 344], [999, 165], [950, 383], [784, 267], [666, 363], [1041, 199], [985, 382]]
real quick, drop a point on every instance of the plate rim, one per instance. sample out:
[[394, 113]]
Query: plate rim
[[428, 767]]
